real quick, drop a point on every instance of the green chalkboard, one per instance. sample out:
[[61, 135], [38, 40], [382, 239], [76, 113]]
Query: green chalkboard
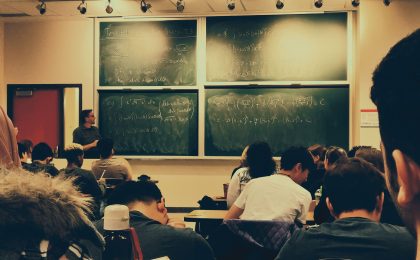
[[282, 117], [148, 53], [150, 122], [298, 47]]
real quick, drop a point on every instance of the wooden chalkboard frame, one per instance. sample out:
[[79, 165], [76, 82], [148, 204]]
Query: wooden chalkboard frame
[[208, 150], [161, 91]]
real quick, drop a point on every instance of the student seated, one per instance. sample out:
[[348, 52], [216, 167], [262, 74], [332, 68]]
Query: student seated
[[42, 156], [279, 196], [354, 196], [23, 154], [84, 179], [316, 177], [110, 166], [259, 159], [43, 218], [148, 216]]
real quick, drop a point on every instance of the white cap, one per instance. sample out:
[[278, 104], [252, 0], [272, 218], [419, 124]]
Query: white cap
[[116, 217]]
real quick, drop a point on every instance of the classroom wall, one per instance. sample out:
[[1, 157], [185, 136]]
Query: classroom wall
[[62, 52], [379, 28]]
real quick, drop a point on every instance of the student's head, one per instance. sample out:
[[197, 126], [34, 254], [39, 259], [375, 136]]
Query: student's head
[[29, 146], [23, 152], [333, 155], [144, 196], [352, 152], [396, 93], [87, 116], [298, 162], [105, 147], [317, 152], [260, 161], [354, 184], [74, 154], [42, 152], [371, 155]]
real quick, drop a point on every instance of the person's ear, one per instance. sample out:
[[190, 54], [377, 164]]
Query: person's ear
[[330, 207], [408, 177], [298, 167], [379, 203], [161, 206]]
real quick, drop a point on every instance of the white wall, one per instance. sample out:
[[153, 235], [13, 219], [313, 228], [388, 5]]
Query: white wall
[[379, 28], [62, 52], [51, 52]]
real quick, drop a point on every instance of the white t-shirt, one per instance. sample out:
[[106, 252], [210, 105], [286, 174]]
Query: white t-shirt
[[276, 197], [239, 179]]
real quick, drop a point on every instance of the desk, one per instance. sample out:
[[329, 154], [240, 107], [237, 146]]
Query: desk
[[205, 215], [218, 215]]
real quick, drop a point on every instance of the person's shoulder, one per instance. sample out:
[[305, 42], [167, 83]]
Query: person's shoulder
[[396, 231], [77, 129]]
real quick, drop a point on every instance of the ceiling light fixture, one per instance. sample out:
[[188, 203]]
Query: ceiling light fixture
[[279, 4], [387, 2], [318, 3], [231, 4], [144, 6], [355, 3], [109, 8], [180, 5], [42, 7], [82, 7]]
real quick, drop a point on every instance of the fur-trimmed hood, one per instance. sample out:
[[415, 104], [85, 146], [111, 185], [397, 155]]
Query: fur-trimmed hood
[[36, 207]]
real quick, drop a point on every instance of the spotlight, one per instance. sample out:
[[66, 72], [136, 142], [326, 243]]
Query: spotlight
[[231, 4], [109, 8], [180, 5], [355, 3], [42, 7], [279, 4], [387, 2], [146, 6], [318, 3], [82, 7]]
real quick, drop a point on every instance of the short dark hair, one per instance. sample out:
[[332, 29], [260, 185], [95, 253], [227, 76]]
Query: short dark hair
[[334, 154], [318, 150], [259, 159], [105, 146], [41, 152], [73, 152], [22, 149], [85, 113], [29, 145], [353, 184], [396, 93], [130, 191], [295, 155], [352, 152], [371, 155]]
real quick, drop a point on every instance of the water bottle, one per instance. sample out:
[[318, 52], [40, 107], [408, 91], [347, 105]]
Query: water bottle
[[118, 244], [318, 194]]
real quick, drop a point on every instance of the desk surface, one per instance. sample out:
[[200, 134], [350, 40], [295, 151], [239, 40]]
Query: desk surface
[[200, 215], [218, 215]]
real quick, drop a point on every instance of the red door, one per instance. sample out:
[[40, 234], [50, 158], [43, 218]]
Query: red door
[[37, 116]]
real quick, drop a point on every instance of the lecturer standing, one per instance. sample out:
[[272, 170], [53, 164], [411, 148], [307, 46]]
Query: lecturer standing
[[86, 134]]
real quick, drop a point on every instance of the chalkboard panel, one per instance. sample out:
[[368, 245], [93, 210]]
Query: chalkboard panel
[[300, 47], [150, 123], [148, 53], [282, 117]]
